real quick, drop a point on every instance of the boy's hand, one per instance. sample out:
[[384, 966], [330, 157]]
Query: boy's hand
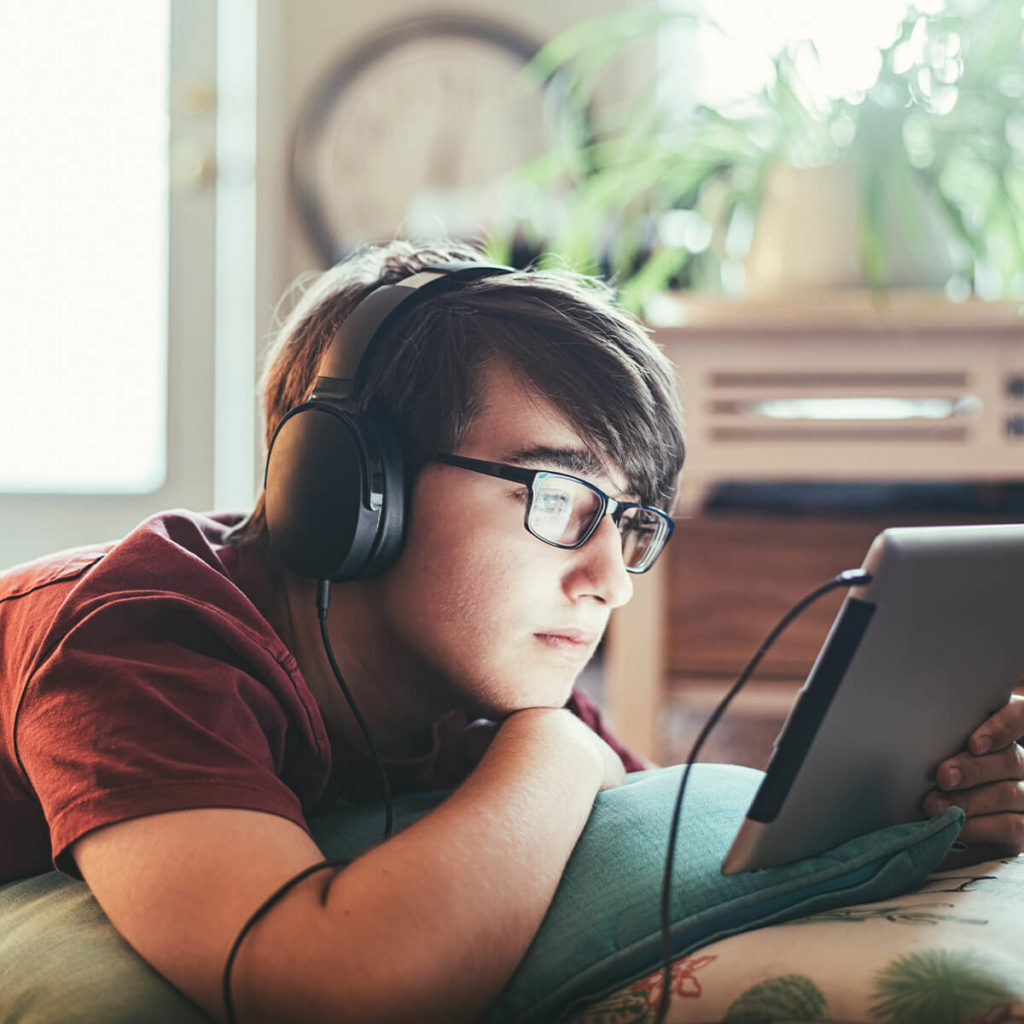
[[614, 773], [987, 781], [478, 737], [574, 731]]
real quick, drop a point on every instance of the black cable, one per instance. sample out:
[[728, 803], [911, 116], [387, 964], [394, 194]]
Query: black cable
[[323, 601], [849, 578], [261, 910]]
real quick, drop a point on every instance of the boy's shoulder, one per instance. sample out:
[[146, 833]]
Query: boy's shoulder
[[148, 665], [166, 552], [175, 558], [29, 578]]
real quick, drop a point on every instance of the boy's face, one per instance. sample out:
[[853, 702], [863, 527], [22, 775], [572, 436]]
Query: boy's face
[[486, 614]]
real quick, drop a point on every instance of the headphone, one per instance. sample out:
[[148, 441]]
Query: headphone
[[335, 479]]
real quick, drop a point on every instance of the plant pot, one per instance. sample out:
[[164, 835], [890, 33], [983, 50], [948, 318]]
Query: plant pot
[[810, 229]]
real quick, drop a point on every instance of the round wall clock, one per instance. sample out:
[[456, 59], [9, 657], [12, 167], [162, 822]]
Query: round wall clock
[[416, 132]]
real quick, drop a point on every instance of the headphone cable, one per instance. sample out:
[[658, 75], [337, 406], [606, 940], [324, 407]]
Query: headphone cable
[[848, 578], [323, 600]]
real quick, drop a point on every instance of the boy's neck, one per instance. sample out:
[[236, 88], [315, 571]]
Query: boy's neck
[[393, 698]]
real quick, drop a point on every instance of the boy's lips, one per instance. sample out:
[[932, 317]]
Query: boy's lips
[[568, 640]]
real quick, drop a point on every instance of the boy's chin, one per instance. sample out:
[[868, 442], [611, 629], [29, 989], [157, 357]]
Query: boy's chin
[[550, 697]]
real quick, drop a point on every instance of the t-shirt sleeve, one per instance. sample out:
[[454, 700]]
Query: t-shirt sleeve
[[155, 703], [586, 710]]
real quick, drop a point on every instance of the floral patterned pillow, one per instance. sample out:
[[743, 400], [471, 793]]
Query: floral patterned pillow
[[951, 952]]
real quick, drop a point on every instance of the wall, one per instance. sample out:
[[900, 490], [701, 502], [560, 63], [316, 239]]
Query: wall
[[298, 40]]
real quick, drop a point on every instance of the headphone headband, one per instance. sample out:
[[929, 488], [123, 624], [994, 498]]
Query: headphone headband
[[360, 330]]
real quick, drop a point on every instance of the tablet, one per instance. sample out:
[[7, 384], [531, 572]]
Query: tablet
[[916, 659]]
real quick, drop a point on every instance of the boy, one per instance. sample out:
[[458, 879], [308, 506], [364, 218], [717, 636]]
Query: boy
[[171, 711]]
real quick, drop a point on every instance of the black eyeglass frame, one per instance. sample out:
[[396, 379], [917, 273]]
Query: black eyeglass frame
[[609, 506]]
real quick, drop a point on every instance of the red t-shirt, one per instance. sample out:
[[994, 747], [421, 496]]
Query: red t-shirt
[[148, 675]]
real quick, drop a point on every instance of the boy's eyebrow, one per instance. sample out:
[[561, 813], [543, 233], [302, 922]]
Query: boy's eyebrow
[[572, 460]]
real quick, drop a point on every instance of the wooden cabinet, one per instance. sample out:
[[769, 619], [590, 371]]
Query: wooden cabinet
[[733, 577], [920, 390]]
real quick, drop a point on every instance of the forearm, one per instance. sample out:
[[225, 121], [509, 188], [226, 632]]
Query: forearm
[[431, 924]]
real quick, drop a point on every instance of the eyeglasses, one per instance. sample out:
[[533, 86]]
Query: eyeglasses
[[564, 511]]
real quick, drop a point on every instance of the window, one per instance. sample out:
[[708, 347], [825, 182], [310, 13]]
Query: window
[[108, 211], [83, 268]]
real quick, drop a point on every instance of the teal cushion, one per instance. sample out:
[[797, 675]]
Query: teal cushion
[[61, 961]]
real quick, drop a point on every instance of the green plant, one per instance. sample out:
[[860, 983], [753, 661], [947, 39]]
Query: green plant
[[655, 199]]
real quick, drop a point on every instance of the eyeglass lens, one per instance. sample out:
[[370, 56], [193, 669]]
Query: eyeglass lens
[[641, 535], [564, 509]]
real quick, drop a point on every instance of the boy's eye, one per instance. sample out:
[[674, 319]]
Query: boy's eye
[[552, 503]]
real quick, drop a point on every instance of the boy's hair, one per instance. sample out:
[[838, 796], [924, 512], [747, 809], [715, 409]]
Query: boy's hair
[[594, 363]]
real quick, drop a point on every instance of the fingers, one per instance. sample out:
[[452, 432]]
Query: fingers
[[996, 798], [1006, 726], [1004, 831], [967, 770], [995, 813], [987, 782]]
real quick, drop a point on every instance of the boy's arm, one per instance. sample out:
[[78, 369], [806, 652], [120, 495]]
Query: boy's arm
[[428, 926], [585, 709]]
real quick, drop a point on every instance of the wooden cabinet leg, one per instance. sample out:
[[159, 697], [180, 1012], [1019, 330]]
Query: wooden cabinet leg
[[634, 663]]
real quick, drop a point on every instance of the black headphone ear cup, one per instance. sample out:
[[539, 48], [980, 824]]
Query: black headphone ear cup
[[326, 494], [393, 510]]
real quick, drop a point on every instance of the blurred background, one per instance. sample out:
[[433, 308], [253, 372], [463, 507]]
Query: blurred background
[[818, 208]]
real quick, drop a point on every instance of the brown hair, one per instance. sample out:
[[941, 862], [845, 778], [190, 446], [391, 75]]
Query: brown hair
[[563, 332]]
